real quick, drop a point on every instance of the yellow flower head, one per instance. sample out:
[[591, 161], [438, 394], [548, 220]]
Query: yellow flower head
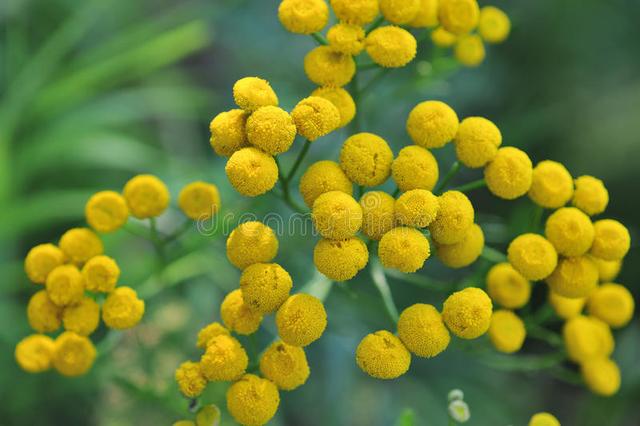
[[199, 200], [543, 419], [228, 132], [252, 172], [432, 124], [608, 270], [507, 331], [303, 16], [341, 99], [477, 141], [82, 318], [455, 217], [417, 208], [251, 93], [427, 15], [566, 307], [321, 177], [301, 320], [73, 354], [366, 159], [612, 240], [356, 12], [285, 365], [237, 316], [533, 256], [587, 338], [574, 277], [465, 252], [44, 316], [467, 313], [252, 400], [106, 211], [80, 245], [590, 195], [602, 376], [509, 174], [422, 331], [494, 25], [551, 186], [122, 309], [382, 355], [271, 129], [346, 38], [378, 214], [184, 423], [340, 260], [507, 287], [404, 249], [399, 12], [190, 379], [459, 16], [65, 285], [100, 274], [326, 67], [251, 242], [415, 168], [34, 353], [209, 332], [613, 304], [469, 50], [265, 286], [224, 360], [570, 231], [315, 117], [147, 196], [443, 38], [41, 260], [337, 215]]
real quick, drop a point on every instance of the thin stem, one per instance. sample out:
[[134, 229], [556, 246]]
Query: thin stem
[[455, 168], [480, 183], [380, 281], [158, 243], [355, 94], [320, 39], [296, 165], [536, 218], [286, 195], [375, 24], [186, 225], [537, 332], [493, 255], [419, 281]]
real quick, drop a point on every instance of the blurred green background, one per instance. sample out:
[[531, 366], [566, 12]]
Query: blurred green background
[[95, 91]]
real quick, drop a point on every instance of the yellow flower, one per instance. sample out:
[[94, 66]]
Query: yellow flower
[[106, 211], [336, 215], [82, 318], [41, 260], [346, 38], [326, 67], [467, 313], [315, 117], [399, 12], [80, 245], [570, 231], [469, 50], [477, 141], [285, 365], [237, 316], [463, 253], [252, 172], [147, 196], [415, 168], [427, 15], [252, 401], [608, 270], [34, 353], [44, 316], [100, 274], [507, 287], [209, 415], [382, 355], [417, 208], [73, 354], [459, 16], [611, 241], [494, 25], [455, 217], [209, 332], [228, 132], [574, 277], [404, 249], [613, 304], [587, 338], [551, 186], [301, 320], [122, 309], [340, 260], [184, 423], [190, 379], [65, 285], [224, 360], [432, 124], [356, 12], [590, 195], [251, 242], [366, 159], [533, 256], [251, 93], [265, 286], [509, 174], [566, 307], [341, 99], [507, 331], [443, 38], [303, 16], [422, 331], [601, 375], [378, 214], [543, 419], [199, 200], [271, 129], [322, 177]]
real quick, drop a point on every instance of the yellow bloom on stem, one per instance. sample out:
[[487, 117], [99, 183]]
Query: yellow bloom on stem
[[469, 50], [421, 329], [494, 25], [404, 249], [82, 318], [590, 195], [341, 99], [443, 38], [228, 132], [570, 231], [321, 177], [315, 117], [73, 354], [326, 67], [574, 277], [399, 12], [566, 307], [224, 359], [543, 419], [391, 46], [346, 38], [608, 270], [190, 379], [612, 240], [100, 274], [251, 93], [147, 196], [340, 260], [467, 313], [336, 215], [209, 332], [378, 214], [301, 320], [612, 303], [507, 331], [417, 208], [432, 124], [65, 285], [285, 365], [252, 400], [251, 242], [252, 172], [587, 338], [455, 217], [459, 16], [463, 253], [34, 353], [80, 245], [41, 260], [533, 256], [427, 15], [265, 286], [237, 316], [271, 129], [382, 355], [106, 211], [602, 376], [366, 159], [415, 168], [356, 12], [122, 309], [507, 287], [551, 186], [199, 200], [477, 141], [303, 16], [44, 316], [509, 174]]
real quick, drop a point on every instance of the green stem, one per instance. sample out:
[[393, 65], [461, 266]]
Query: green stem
[[320, 39], [380, 281], [419, 281], [355, 94], [286, 194], [537, 332], [296, 165], [455, 168], [480, 183], [493, 255], [186, 225], [536, 218], [375, 24], [158, 243]]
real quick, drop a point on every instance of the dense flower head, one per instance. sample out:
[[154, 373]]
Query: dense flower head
[[44, 316], [608, 270], [106, 211], [199, 200], [405, 249], [252, 172], [237, 316], [366, 159], [73, 354], [612, 303], [570, 231], [399, 12], [209, 332], [341, 99], [494, 25], [543, 419], [507, 331], [228, 132], [251, 93], [340, 260], [100, 274], [301, 320], [612, 240], [533, 256], [65, 285], [315, 117], [41, 260], [356, 12], [271, 129], [590, 195], [346, 38], [469, 50], [303, 16], [146, 195], [507, 287], [251, 242], [587, 338], [421, 329], [326, 67], [601, 375], [459, 16], [391, 46], [285, 365], [382, 355], [509, 174], [336, 215], [224, 359], [82, 318], [190, 379], [80, 245], [265, 286], [443, 38], [455, 217], [252, 400], [415, 168], [417, 208], [432, 124], [427, 15], [122, 309], [34, 353], [378, 214], [321, 177], [566, 307], [462, 253], [477, 141], [574, 277], [467, 313], [551, 186]]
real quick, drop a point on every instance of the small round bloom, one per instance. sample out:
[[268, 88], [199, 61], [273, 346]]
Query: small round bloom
[[321, 177], [209, 415], [422, 331], [252, 172], [455, 217], [252, 401], [601, 375], [509, 174], [82, 318], [590, 195], [237, 316], [570, 231], [190, 379], [44, 316], [378, 214], [315, 117], [459, 411], [543, 419], [467, 313], [612, 303], [574, 277], [251, 93], [612, 240], [106, 211], [494, 25], [356, 12], [326, 67], [415, 168], [80, 245], [507, 331], [340, 260], [507, 287], [285, 365], [391, 47], [459, 16], [465, 252], [336, 215], [404, 249], [199, 200], [73, 354], [533, 256], [469, 50], [265, 286], [366, 159], [566, 307], [455, 395], [341, 99], [301, 320], [100, 274], [608, 270], [251, 242], [417, 208], [346, 38], [34, 353], [224, 360], [551, 186], [382, 355], [427, 15], [147, 196], [477, 141], [271, 129], [432, 124], [399, 12], [65, 285], [443, 38], [122, 309], [228, 132], [586, 338], [41, 260], [303, 16], [209, 332]]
